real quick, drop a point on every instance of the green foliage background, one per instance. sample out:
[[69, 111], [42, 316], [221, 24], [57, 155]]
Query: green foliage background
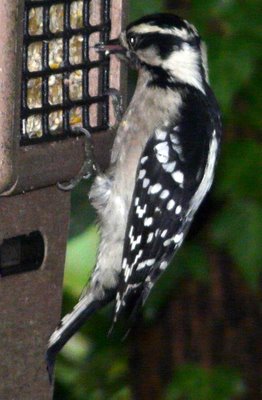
[[93, 367]]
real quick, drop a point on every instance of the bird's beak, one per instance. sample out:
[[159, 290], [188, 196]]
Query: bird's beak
[[111, 47]]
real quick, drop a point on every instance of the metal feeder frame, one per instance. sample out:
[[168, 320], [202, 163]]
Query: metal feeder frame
[[34, 213]]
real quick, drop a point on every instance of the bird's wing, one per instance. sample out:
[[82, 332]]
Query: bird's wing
[[171, 168]]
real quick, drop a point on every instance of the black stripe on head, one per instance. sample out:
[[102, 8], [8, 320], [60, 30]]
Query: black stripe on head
[[165, 44], [163, 20]]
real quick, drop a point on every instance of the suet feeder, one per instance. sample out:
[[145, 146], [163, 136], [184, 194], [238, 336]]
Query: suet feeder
[[52, 83]]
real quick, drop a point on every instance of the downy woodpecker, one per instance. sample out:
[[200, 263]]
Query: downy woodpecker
[[162, 165]]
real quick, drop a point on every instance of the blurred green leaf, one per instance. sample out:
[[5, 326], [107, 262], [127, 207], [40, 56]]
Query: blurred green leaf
[[122, 394], [239, 172], [80, 260], [248, 115], [233, 47], [190, 262], [192, 382], [139, 8], [83, 214], [232, 73], [237, 228], [78, 348]]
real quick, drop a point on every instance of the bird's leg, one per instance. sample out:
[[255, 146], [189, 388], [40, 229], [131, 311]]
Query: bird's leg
[[117, 103], [89, 166]]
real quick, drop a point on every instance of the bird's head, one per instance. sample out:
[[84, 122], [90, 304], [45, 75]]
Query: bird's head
[[164, 44]]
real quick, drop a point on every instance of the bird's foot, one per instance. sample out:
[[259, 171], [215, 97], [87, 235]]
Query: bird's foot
[[89, 166]]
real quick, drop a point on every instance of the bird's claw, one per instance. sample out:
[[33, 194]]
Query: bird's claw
[[89, 166]]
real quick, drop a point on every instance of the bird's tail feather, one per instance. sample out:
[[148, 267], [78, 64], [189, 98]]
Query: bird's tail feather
[[68, 326]]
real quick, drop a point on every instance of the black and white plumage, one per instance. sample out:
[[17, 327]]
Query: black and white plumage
[[162, 166], [172, 180]]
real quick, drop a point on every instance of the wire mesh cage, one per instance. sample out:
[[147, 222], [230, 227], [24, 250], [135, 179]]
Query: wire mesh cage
[[64, 79], [63, 86]]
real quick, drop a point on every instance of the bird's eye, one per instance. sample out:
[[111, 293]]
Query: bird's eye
[[131, 39]]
